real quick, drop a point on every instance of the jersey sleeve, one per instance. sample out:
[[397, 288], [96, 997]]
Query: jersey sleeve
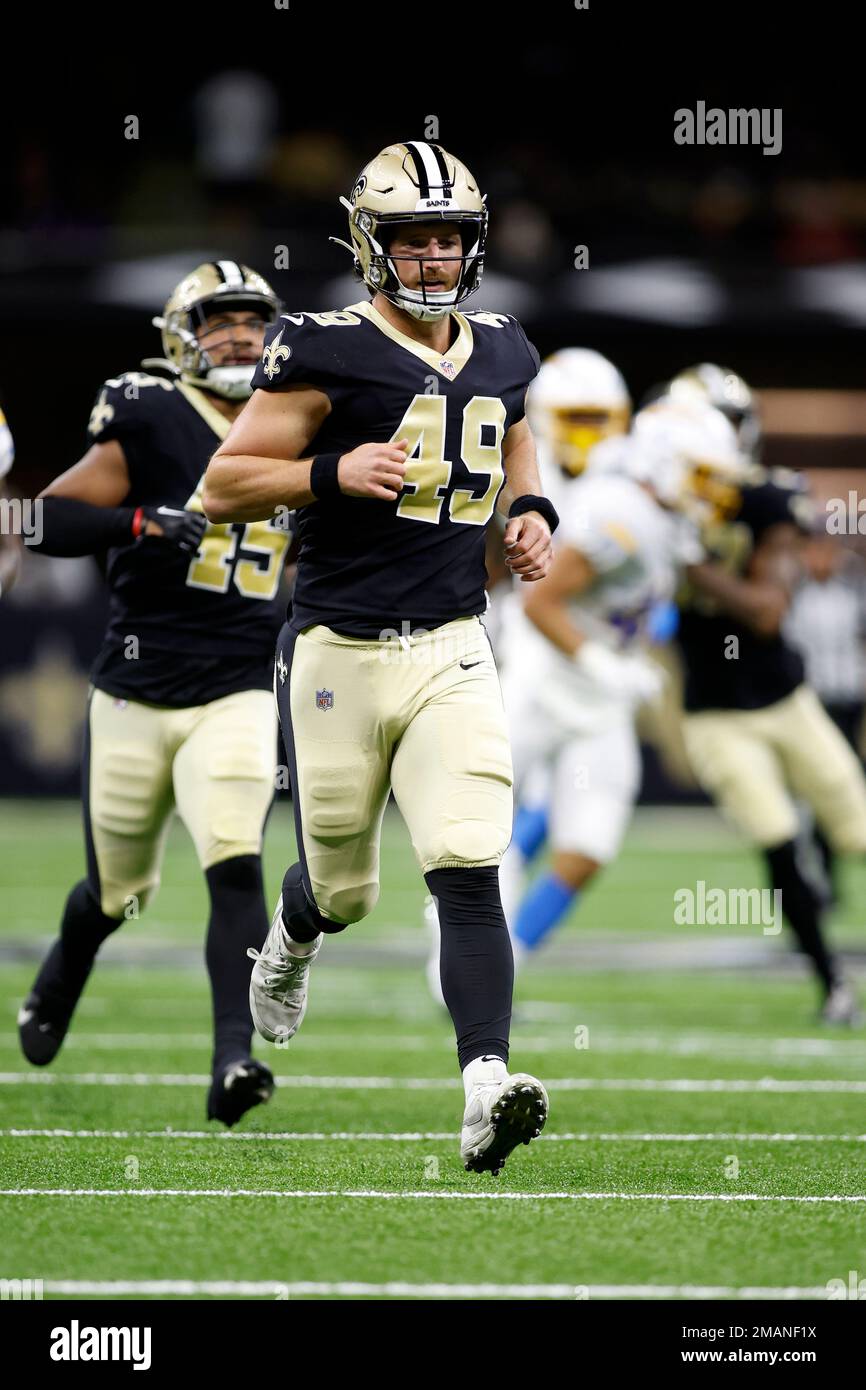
[[128, 408], [296, 353], [7, 447], [530, 356], [534, 361], [121, 410]]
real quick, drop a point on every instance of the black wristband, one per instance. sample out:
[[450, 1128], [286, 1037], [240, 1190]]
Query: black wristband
[[72, 527], [542, 505], [323, 476]]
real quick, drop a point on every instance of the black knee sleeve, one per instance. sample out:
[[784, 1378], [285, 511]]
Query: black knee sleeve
[[238, 919], [476, 963], [82, 931], [85, 926], [801, 908], [302, 918]]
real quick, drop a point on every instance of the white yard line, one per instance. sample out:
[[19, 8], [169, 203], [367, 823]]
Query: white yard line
[[367, 1194], [222, 1288], [427, 1083], [675, 1045], [421, 1136]]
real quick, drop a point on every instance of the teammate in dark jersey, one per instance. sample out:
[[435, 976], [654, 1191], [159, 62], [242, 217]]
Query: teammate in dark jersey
[[181, 710], [395, 427], [756, 734]]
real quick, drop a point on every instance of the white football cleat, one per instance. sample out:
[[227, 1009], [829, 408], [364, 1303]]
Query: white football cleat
[[278, 983], [500, 1115], [841, 1007], [431, 922]]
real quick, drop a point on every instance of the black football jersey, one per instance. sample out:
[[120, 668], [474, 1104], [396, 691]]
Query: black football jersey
[[368, 566], [183, 629], [766, 669]]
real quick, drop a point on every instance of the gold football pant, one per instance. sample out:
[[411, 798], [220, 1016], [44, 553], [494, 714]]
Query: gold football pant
[[755, 764], [421, 715], [215, 763]]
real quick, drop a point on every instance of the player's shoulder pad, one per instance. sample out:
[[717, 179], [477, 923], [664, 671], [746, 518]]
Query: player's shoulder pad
[[509, 330], [774, 501], [124, 404], [300, 347], [7, 447]]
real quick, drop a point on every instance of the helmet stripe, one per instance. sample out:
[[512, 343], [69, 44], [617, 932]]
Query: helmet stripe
[[440, 160], [231, 273], [427, 167]]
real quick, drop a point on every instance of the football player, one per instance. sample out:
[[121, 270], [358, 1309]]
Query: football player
[[181, 711], [756, 734], [395, 427], [10, 542], [573, 698]]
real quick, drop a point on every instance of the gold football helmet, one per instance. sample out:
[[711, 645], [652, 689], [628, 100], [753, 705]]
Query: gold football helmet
[[689, 454], [414, 182], [212, 285], [577, 399], [729, 393]]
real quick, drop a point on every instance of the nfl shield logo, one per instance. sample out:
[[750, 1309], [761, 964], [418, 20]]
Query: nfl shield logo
[[324, 699], [447, 367]]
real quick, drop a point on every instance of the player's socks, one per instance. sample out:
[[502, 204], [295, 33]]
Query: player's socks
[[476, 964], [238, 919], [530, 830], [802, 910], [47, 1011], [543, 907]]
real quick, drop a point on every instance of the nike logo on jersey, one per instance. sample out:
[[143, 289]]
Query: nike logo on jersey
[[294, 318], [467, 665]]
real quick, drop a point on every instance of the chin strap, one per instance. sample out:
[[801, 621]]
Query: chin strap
[[232, 383]]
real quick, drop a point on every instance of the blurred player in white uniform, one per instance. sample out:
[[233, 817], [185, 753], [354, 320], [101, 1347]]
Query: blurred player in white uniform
[[584, 668], [578, 405]]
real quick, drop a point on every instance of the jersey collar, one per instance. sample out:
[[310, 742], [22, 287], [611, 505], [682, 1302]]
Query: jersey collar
[[448, 364], [209, 413]]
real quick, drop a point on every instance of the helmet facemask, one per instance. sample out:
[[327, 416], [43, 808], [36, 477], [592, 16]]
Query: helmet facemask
[[382, 273], [211, 288], [233, 381]]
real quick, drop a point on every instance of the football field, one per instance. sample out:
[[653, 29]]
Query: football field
[[706, 1137]]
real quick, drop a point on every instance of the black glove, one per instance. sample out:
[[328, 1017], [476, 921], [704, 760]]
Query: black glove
[[183, 529]]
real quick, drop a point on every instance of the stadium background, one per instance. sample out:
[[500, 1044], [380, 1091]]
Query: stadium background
[[717, 253]]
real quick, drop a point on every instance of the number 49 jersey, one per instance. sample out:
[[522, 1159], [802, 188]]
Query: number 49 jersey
[[183, 629], [369, 566]]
